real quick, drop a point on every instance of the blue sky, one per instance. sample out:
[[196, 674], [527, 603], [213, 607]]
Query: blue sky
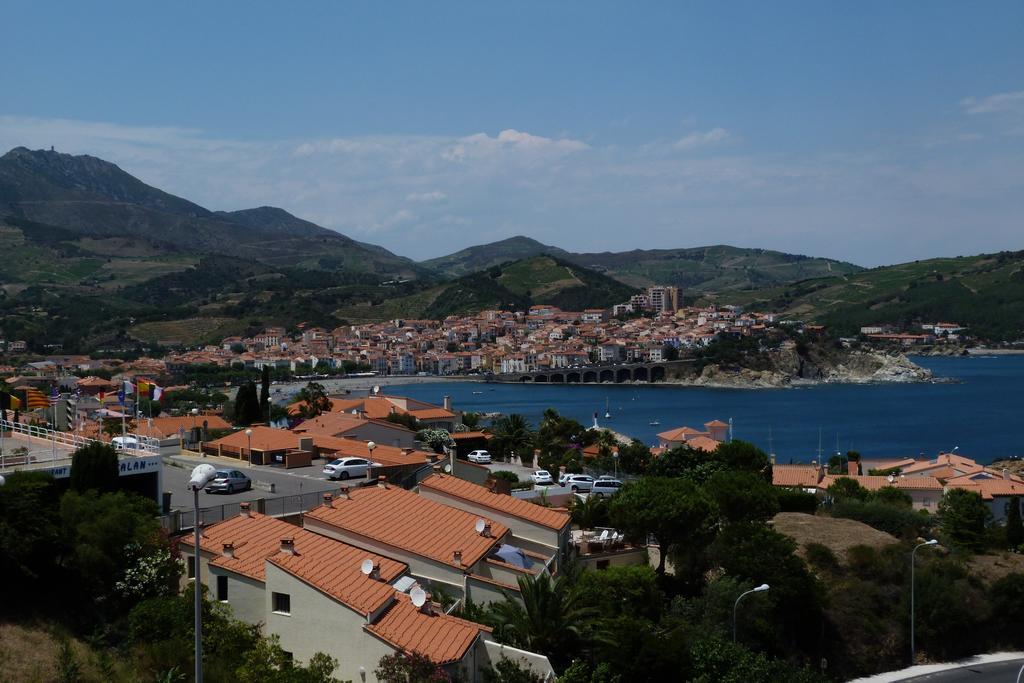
[[875, 132]]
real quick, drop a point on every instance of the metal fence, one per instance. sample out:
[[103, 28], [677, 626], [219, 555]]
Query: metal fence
[[280, 506]]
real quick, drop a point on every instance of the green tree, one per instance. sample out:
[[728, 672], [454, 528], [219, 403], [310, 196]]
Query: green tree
[[512, 435], [409, 667], [435, 438], [1007, 599], [629, 590], [509, 671], [471, 421], [742, 496], [30, 539], [670, 510], [964, 517], [247, 405], [589, 512], [1014, 528], [684, 462], [313, 401], [847, 488], [890, 495], [94, 467], [746, 457], [715, 660], [634, 457], [407, 420], [268, 663], [547, 617]]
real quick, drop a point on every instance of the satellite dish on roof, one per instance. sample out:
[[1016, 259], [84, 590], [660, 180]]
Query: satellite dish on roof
[[480, 524], [376, 388], [367, 566], [448, 469], [419, 596]]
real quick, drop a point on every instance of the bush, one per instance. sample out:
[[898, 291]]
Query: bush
[[505, 475], [795, 500], [898, 521], [821, 556]]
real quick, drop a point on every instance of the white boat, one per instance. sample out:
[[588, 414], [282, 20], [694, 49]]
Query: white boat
[[654, 423], [607, 413]]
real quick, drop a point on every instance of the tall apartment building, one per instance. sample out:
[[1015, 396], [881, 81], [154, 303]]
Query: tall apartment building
[[663, 299]]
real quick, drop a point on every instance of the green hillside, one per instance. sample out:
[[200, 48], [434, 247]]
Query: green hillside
[[984, 292], [699, 269], [484, 256]]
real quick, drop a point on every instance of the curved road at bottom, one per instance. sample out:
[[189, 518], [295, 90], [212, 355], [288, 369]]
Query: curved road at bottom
[[996, 672]]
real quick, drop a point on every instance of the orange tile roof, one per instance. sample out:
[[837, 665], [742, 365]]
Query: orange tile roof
[[431, 413], [680, 434], [168, 426], [876, 482], [325, 563], [473, 493], [263, 439], [465, 436], [333, 567], [806, 476], [336, 424], [703, 443], [410, 522], [442, 638], [385, 455], [716, 423]]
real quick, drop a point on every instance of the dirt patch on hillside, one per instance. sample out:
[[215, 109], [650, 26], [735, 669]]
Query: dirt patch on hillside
[[839, 535], [994, 567]]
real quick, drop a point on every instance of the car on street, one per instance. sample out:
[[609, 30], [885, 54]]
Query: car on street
[[542, 478], [229, 481], [347, 468], [577, 482], [605, 487], [480, 457]]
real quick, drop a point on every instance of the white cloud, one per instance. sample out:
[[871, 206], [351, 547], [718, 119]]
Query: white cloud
[[425, 195], [1005, 101], [698, 139]]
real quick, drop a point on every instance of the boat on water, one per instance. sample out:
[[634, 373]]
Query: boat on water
[[480, 392], [607, 412], [654, 423]]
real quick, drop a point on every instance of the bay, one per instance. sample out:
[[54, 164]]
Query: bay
[[981, 410]]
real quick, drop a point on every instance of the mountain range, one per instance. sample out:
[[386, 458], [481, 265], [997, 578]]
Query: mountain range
[[91, 251]]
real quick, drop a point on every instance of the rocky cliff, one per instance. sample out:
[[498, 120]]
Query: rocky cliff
[[788, 367]]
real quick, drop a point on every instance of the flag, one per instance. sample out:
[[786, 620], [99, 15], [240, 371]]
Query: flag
[[36, 399], [127, 387], [120, 397], [9, 401], [145, 388], [158, 393], [54, 396]]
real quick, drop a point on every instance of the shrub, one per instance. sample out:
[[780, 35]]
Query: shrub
[[505, 475], [821, 556], [898, 521], [795, 500]]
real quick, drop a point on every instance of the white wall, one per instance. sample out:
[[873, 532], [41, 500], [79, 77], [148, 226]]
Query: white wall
[[246, 596], [318, 623]]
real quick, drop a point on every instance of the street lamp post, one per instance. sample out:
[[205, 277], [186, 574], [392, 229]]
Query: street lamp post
[[913, 552], [201, 476], [763, 587], [248, 435], [369, 447]]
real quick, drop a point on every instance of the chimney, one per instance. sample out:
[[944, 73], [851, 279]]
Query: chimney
[[244, 509], [486, 533], [406, 451], [328, 498], [457, 557], [375, 573], [228, 550], [288, 545], [447, 402], [382, 481], [342, 494], [772, 457], [1006, 473]]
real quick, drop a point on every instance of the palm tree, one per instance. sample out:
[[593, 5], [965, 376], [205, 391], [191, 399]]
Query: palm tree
[[512, 434], [589, 512], [550, 618]]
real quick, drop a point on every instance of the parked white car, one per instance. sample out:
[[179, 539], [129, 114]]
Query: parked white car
[[605, 486], [347, 468], [542, 478], [578, 483], [479, 457]]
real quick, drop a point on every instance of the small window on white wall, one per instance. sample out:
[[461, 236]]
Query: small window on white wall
[[282, 603], [190, 567], [222, 588]]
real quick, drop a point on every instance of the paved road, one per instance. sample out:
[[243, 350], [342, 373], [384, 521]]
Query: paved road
[[286, 482], [997, 672]]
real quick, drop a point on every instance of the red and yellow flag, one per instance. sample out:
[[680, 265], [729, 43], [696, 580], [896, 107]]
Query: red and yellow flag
[[9, 401], [36, 399]]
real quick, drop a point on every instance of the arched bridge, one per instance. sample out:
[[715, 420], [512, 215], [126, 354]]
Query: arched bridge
[[600, 374]]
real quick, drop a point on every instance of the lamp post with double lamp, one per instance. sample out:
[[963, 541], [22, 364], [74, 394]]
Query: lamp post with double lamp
[[760, 589], [201, 476], [248, 435], [913, 650]]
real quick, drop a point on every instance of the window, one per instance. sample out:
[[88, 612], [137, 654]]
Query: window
[[190, 570], [282, 603], [222, 588]]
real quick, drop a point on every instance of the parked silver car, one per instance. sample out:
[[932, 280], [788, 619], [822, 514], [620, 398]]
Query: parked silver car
[[229, 481], [605, 486]]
